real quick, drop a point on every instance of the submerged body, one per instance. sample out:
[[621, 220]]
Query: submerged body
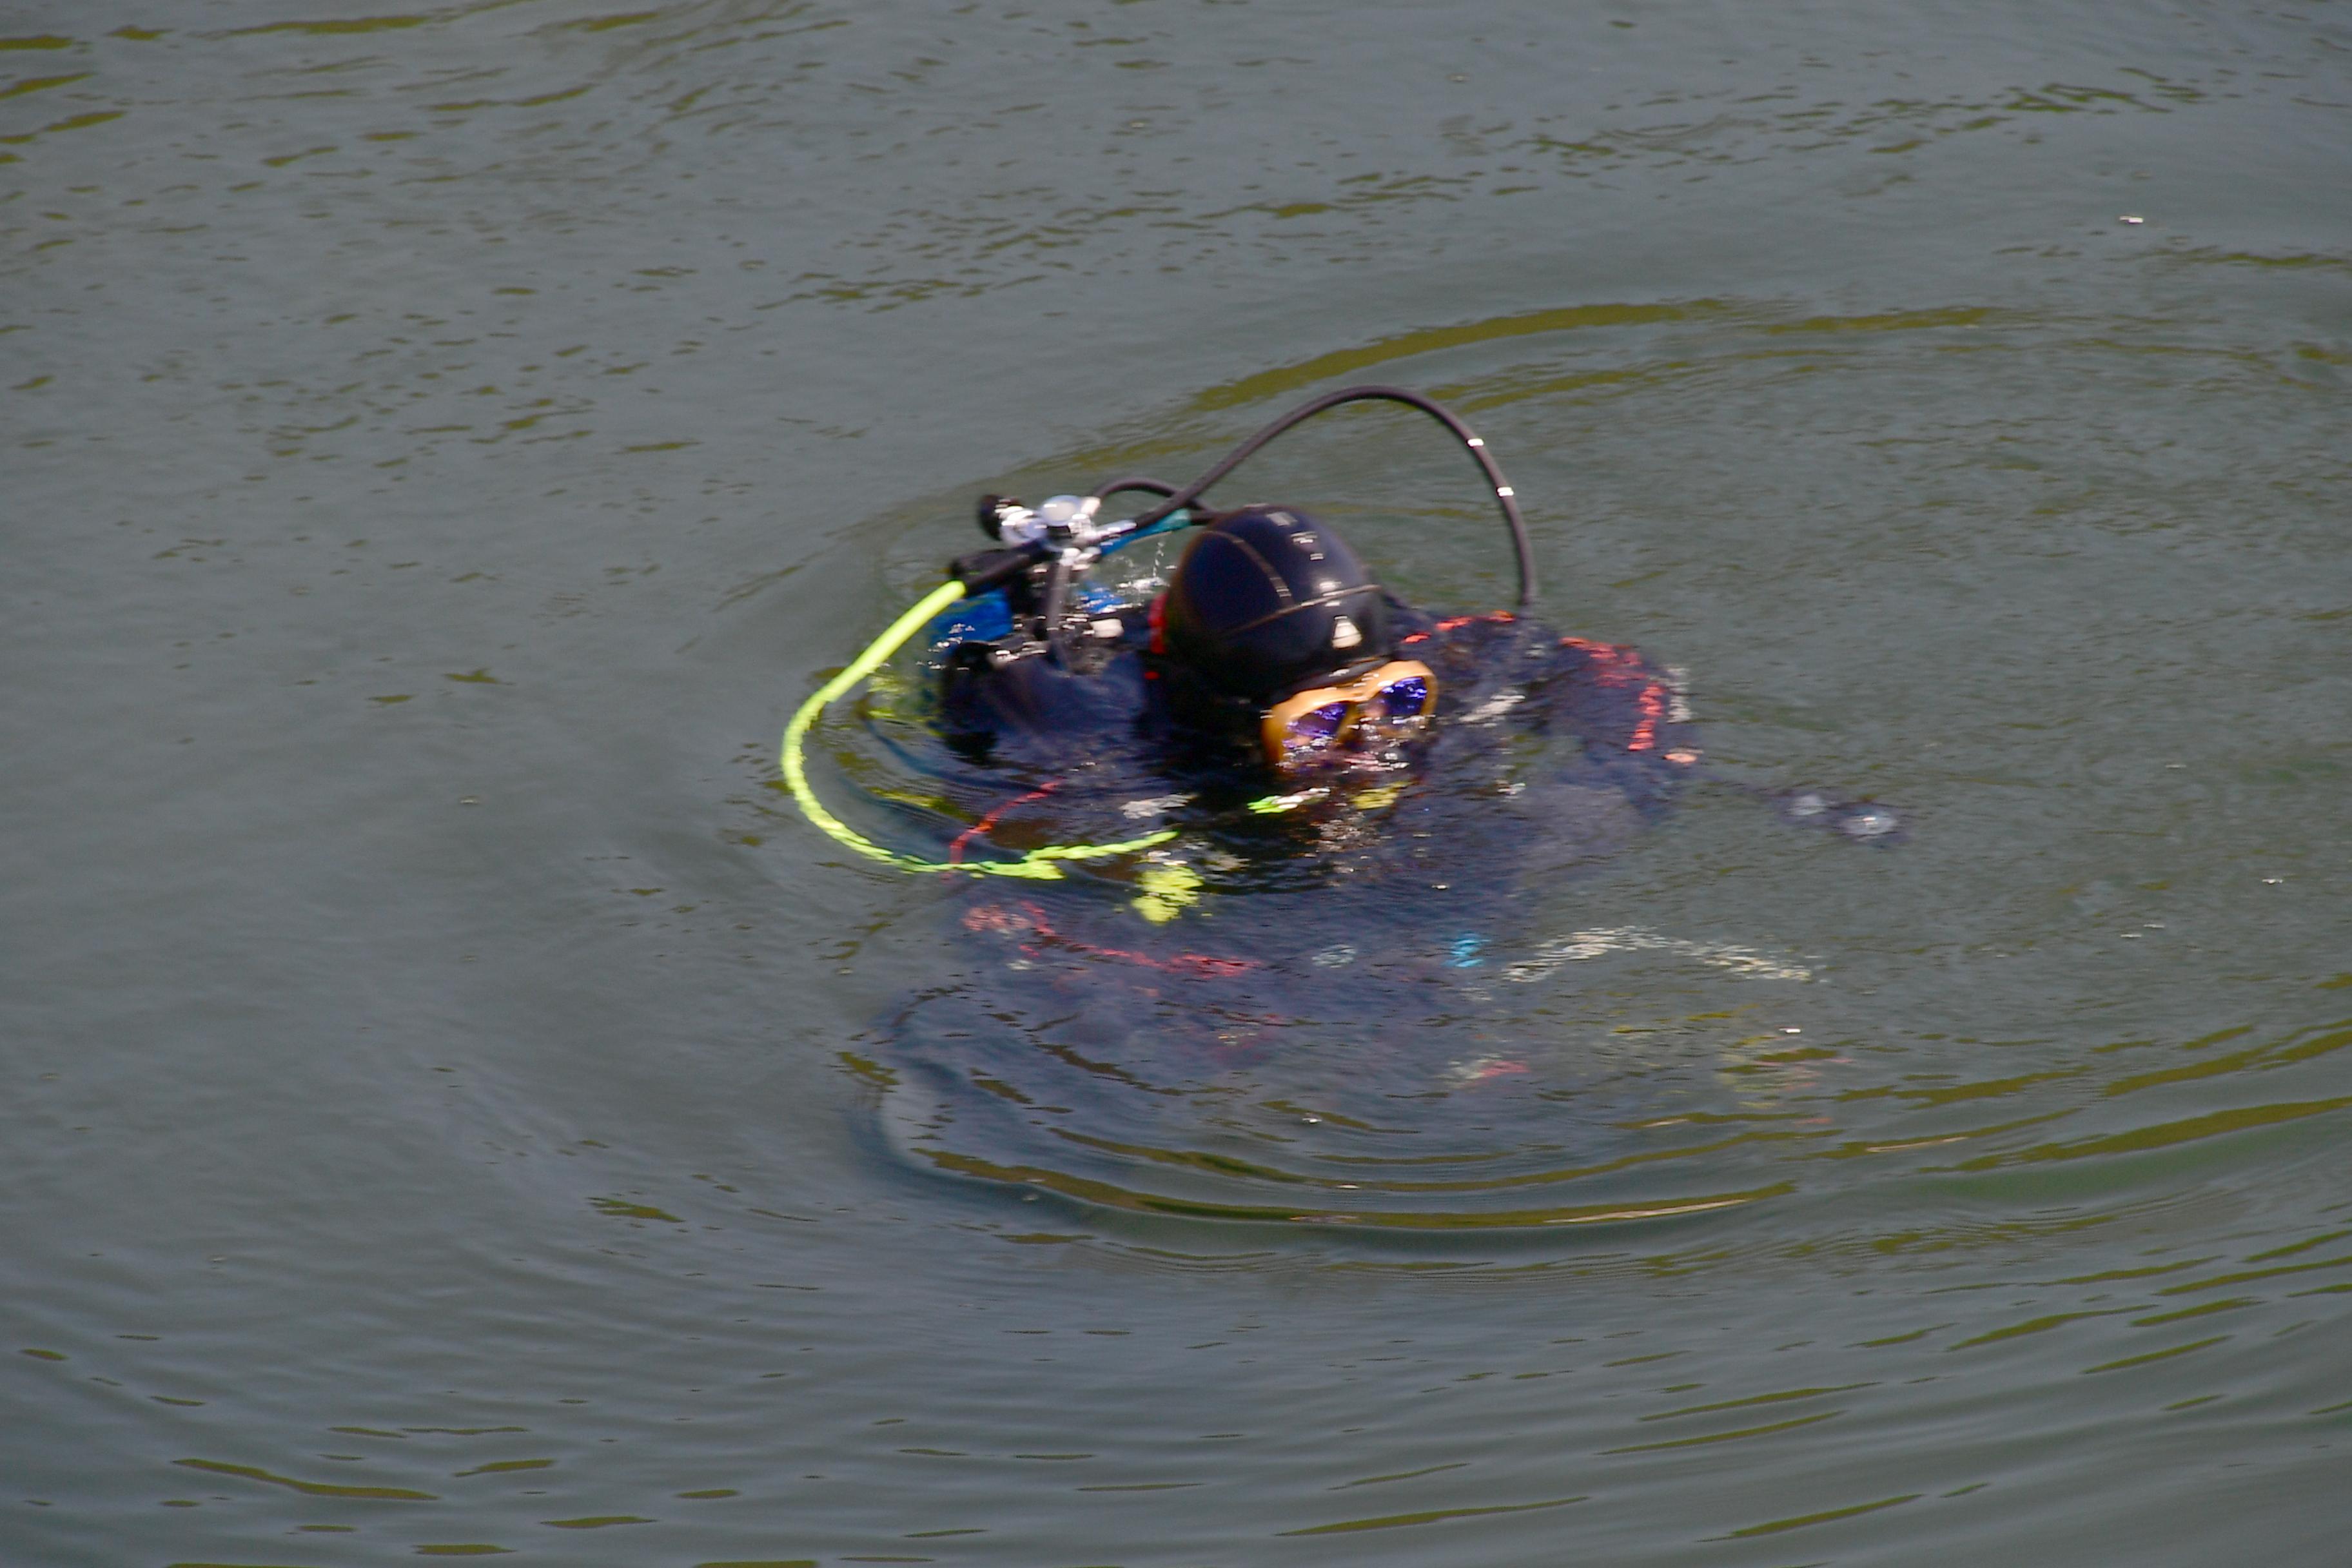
[[1334, 948], [1250, 835]]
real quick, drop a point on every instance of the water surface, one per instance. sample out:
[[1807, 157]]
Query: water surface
[[458, 1108]]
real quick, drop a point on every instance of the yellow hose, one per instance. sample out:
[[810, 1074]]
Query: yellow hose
[[1038, 865]]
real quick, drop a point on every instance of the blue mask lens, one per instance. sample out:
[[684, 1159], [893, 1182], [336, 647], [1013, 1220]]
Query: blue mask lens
[[1316, 728], [1406, 698]]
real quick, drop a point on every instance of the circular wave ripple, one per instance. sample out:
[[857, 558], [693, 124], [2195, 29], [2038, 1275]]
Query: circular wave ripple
[[1425, 1089]]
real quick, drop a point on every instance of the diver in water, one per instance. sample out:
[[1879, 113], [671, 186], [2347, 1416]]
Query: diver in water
[[1269, 719], [1274, 675], [1244, 817], [1251, 852]]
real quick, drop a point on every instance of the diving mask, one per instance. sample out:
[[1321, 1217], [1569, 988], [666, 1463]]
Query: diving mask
[[1378, 708]]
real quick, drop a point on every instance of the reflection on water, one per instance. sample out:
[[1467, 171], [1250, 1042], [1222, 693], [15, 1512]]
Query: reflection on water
[[1583, 944]]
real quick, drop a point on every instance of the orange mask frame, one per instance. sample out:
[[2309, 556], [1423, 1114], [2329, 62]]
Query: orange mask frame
[[1284, 746]]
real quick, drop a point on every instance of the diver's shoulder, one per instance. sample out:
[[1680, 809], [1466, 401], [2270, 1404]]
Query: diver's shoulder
[[1485, 639], [1415, 632]]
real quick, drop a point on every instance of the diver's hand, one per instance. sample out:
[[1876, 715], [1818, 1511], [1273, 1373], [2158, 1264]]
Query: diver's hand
[[1864, 821]]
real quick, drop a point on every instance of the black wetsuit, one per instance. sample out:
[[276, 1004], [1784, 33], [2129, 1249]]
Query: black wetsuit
[[1340, 938], [1343, 942], [1546, 752]]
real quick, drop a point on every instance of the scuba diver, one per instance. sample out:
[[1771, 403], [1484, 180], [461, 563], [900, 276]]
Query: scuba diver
[[1265, 717], [1242, 799], [1274, 676]]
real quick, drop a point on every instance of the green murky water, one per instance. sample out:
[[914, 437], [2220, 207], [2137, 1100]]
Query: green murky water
[[458, 1108]]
